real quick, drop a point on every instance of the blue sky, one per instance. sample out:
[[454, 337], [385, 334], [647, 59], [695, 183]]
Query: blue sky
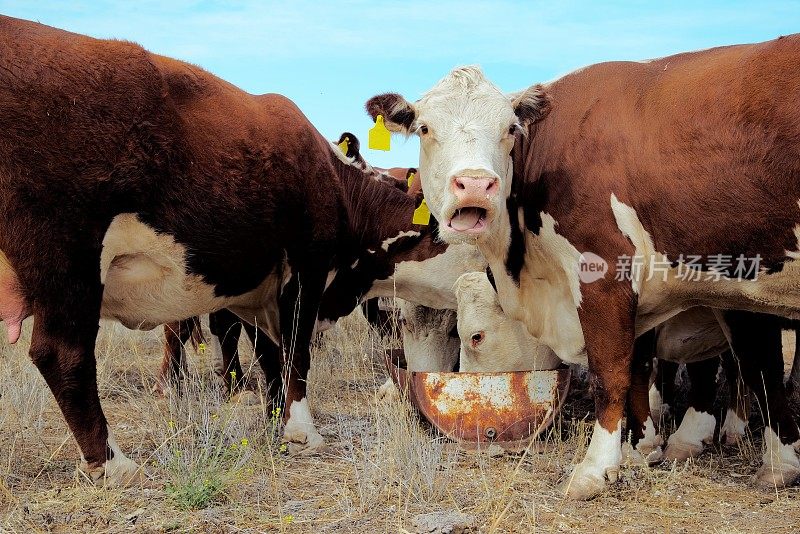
[[330, 57]]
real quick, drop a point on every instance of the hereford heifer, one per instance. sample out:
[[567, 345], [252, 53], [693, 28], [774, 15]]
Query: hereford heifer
[[654, 162], [139, 188], [226, 327]]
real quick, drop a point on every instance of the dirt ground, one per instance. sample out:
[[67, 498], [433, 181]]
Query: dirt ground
[[218, 466]]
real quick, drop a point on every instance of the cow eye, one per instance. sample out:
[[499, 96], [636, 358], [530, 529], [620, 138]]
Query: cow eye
[[423, 129], [513, 129], [477, 338]]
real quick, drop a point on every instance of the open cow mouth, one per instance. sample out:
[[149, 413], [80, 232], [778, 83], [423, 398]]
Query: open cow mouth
[[469, 218]]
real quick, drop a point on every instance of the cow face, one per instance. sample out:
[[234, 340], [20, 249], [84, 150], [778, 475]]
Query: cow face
[[427, 340], [466, 127], [490, 340]]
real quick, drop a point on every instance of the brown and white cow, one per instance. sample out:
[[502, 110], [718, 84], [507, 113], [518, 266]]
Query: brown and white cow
[[689, 155], [492, 341], [143, 189], [226, 327]]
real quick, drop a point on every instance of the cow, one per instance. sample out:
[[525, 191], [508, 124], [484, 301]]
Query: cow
[[226, 327], [145, 190], [695, 338], [563, 185], [491, 341], [478, 337], [397, 177]]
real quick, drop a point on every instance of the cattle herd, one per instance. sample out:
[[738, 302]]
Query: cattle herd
[[625, 214]]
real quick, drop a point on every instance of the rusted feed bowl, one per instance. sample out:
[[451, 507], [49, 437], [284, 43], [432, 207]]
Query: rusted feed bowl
[[476, 409]]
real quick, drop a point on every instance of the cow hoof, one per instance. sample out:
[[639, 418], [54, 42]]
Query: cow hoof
[[583, 484], [780, 465], [733, 429], [776, 476], [583, 488], [650, 449], [300, 443], [643, 456], [648, 455], [388, 392], [679, 451], [117, 473]]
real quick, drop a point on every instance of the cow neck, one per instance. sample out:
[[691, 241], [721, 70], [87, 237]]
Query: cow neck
[[524, 206], [379, 215], [528, 186]]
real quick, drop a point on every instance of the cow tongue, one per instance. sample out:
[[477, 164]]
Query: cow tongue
[[466, 218]]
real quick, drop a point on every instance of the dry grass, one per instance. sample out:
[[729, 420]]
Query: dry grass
[[382, 467]]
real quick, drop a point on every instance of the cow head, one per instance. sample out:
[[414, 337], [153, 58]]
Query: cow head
[[467, 128], [429, 339], [490, 340]]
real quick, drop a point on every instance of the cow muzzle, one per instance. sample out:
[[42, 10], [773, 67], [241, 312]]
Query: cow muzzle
[[474, 197]]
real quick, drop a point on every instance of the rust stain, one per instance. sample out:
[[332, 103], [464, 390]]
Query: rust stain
[[509, 409]]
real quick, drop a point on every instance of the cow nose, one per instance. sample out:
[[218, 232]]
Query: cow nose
[[472, 186]]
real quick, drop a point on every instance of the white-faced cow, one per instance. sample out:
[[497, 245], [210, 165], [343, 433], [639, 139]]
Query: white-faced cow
[[479, 337], [685, 161], [143, 189]]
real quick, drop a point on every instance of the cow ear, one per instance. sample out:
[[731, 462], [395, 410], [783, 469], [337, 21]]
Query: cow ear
[[398, 113], [353, 145], [531, 105]]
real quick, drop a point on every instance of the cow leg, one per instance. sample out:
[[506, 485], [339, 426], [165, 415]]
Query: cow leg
[[371, 312], [662, 391], [756, 341], [607, 315], [299, 304], [793, 385], [644, 436], [698, 423], [738, 413], [62, 348], [269, 358], [226, 328], [173, 363]]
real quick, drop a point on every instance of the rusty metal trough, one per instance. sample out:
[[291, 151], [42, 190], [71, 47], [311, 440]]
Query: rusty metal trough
[[476, 409]]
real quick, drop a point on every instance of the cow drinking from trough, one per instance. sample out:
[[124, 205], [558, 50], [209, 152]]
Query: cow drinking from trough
[[655, 160], [109, 156]]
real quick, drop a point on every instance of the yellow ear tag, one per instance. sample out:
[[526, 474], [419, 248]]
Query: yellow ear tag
[[379, 136], [343, 146], [422, 215], [411, 179], [201, 348]]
